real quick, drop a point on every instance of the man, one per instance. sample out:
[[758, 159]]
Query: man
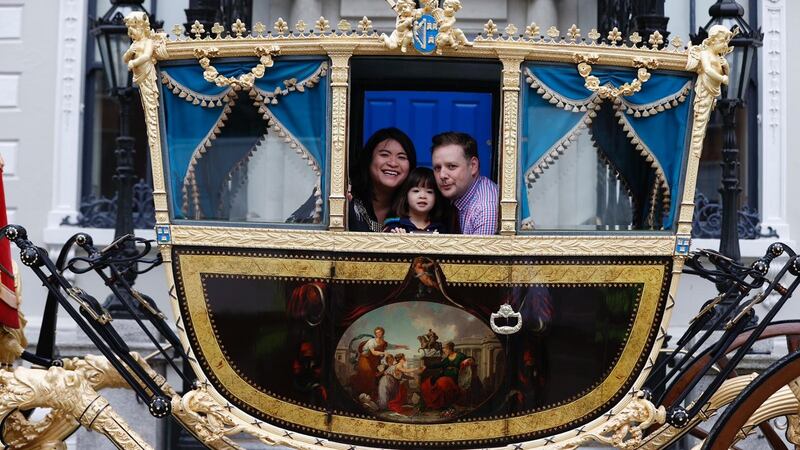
[[457, 170]]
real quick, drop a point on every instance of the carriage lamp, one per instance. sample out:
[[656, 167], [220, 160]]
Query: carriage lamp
[[112, 42], [745, 42]]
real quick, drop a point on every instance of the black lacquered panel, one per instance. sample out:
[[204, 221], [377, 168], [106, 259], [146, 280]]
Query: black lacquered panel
[[322, 343]]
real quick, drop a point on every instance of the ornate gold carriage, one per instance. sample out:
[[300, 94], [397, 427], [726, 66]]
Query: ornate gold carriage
[[272, 305], [294, 325]]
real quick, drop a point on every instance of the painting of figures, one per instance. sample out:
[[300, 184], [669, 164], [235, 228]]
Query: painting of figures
[[419, 362]]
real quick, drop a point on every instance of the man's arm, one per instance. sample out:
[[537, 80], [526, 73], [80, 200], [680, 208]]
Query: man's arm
[[485, 220]]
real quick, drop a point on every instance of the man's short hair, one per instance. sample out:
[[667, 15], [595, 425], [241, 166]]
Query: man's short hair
[[464, 140]]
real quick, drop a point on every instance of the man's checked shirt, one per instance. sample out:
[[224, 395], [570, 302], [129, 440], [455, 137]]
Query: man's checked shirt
[[477, 208]]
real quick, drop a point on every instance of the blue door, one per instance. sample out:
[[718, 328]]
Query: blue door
[[423, 114]]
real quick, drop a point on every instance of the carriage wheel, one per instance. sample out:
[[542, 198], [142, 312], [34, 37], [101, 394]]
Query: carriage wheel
[[790, 329], [767, 397]]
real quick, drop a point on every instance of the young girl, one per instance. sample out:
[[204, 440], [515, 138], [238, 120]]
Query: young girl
[[419, 204]]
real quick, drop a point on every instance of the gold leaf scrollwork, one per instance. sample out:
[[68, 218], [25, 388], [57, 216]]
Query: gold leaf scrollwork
[[244, 81], [626, 429], [73, 395]]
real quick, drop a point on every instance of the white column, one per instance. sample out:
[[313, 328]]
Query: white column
[[307, 10], [774, 158], [543, 12], [67, 139]]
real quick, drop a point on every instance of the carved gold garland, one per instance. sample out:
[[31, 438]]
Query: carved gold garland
[[585, 60], [246, 80]]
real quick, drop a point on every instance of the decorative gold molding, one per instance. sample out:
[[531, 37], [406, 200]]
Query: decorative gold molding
[[366, 42], [626, 429], [340, 58], [508, 150], [553, 245]]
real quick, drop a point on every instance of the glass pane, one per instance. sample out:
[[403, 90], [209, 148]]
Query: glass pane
[[592, 162], [251, 155], [581, 191], [278, 186]]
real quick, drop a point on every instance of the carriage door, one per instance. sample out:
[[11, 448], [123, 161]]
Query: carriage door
[[423, 114]]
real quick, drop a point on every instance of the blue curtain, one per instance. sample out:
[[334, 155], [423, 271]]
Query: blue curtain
[[303, 114], [546, 124]]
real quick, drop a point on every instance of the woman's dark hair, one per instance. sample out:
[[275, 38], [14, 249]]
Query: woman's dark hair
[[360, 181], [422, 177], [450, 346]]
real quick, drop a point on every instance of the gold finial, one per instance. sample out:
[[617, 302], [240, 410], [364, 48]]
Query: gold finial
[[198, 29], [511, 30], [322, 25], [532, 30], [635, 38], [489, 29], [574, 33], [344, 26], [553, 32], [178, 30], [300, 26], [259, 28], [656, 39], [280, 26], [364, 25], [677, 42], [594, 35], [614, 36], [218, 30], [239, 28]]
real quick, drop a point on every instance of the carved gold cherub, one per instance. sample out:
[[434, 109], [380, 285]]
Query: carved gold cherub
[[140, 56], [708, 59], [402, 36], [449, 35]]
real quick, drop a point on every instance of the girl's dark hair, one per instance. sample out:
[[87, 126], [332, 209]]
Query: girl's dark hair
[[423, 177], [360, 181]]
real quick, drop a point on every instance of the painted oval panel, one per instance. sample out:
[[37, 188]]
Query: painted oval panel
[[419, 362]]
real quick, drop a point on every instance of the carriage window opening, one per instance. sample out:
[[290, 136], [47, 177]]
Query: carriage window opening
[[412, 102], [592, 163], [253, 154]]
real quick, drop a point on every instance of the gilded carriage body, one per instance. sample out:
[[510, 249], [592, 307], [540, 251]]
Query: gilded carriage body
[[297, 327]]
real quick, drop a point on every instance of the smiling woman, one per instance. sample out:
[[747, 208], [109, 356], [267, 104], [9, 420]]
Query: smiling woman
[[380, 169]]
